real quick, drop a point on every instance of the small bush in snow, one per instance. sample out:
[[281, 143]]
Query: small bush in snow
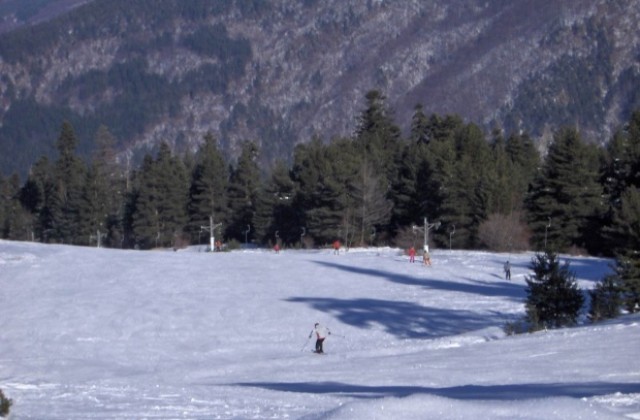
[[516, 327], [5, 405], [606, 300]]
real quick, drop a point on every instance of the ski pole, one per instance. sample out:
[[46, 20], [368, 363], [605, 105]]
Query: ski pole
[[305, 344]]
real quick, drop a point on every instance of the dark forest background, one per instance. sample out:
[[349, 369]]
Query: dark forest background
[[371, 188]]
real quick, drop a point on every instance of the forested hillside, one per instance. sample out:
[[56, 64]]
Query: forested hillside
[[280, 73]]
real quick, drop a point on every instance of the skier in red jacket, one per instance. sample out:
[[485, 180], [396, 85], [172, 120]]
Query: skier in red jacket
[[412, 254]]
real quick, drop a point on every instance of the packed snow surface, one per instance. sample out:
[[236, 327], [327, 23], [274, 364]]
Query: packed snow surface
[[89, 333]]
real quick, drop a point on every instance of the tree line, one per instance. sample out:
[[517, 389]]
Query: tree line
[[372, 187]]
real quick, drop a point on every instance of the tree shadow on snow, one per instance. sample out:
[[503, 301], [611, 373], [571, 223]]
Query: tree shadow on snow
[[411, 320], [506, 289], [465, 392], [402, 319]]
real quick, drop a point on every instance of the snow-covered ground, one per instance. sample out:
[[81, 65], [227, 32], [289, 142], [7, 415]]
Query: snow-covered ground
[[90, 333]]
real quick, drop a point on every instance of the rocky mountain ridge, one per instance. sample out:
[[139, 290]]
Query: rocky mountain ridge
[[280, 72]]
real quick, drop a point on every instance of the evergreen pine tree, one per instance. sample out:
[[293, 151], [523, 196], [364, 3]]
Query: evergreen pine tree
[[501, 189], [378, 141], [208, 191], [40, 196], [628, 280], [412, 174], [111, 185], [437, 175], [173, 184], [605, 299], [621, 167], [18, 221], [377, 137], [145, 214], [159, 212], [419, 127], [92, 217], [322, 195], [525, 160], [69, 174], [462, 173], [626, 224], [568, 193], [243, 191], [275, 218], [344, 178], [507, 180], [553, 297]]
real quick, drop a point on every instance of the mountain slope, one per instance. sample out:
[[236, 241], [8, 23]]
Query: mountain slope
[[121, 334], [280, 72]]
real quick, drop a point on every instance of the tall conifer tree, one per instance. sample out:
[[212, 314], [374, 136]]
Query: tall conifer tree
[[276, 219], [15, 220], [379, 144], [145, 211], [70, 174], [243, 194], [412, 174], [567, 193], [321, 199], [208, 191], [173, 188], [102, 199], [160, 209]]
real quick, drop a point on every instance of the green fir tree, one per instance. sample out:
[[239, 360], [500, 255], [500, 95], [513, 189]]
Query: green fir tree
[[553, 297], [208, 191]]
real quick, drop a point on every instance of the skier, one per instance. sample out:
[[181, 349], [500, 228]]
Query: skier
[[336, 247], [426, 258], [507, 271], [321, 333], [412, 254], [276, 248]]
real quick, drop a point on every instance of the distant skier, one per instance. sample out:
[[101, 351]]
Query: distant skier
[[412, 254], [321, 333], [336, 247], [507, 271], [276, 248], [426, 259]]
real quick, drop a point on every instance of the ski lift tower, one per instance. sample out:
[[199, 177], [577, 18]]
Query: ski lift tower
[[211, 228], [98, 237], [425, 229]]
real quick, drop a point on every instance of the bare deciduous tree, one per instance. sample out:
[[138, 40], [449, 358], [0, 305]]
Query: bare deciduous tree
[[504, 232]]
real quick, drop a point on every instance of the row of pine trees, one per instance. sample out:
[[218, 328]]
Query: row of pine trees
[[373, 187]]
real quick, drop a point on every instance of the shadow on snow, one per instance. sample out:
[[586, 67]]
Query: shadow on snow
[[402, 319], [411, 320], [465, 392], [476, 287]]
